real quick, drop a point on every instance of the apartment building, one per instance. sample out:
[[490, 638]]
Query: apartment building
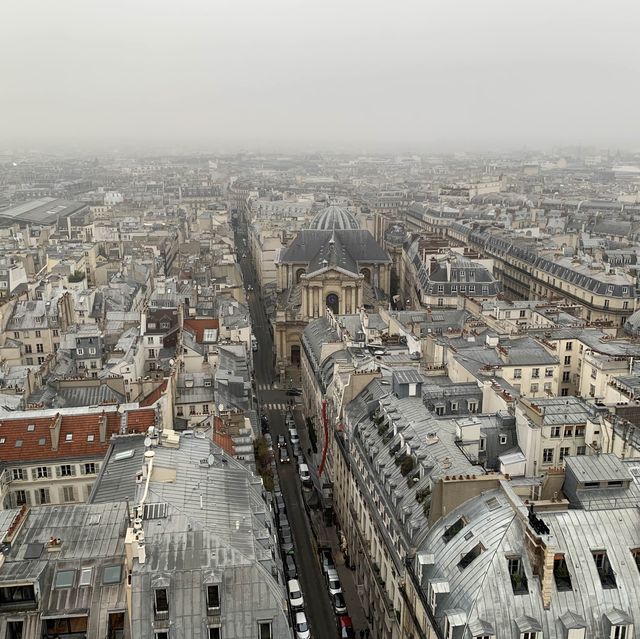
[[52, 456], [38, 325]]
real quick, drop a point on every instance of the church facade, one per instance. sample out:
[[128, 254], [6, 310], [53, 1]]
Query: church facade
[[333, 264]]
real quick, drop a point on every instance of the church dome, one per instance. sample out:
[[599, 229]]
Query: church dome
[[334, 217]]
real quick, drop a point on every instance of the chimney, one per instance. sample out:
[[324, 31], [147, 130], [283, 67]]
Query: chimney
[[102, 423], [54, 431]]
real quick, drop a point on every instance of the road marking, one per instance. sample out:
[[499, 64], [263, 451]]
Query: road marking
[[276, 406], [264, 387]]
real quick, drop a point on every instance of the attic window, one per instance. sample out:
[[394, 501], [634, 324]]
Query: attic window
[[454, 529], [69, 437], [2, 440], [161, 600], [18, 443], [112, 574], [492, 503], [42, 441], [467, 559], [91, 438], [605, 572], [561, 574], [64, 579], [31, 428]]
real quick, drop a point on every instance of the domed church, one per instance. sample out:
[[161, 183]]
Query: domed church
[[333, 264]]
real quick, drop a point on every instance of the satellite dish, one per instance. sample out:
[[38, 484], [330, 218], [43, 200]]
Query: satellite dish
[[147, 442], [220, 407], [210, 459]]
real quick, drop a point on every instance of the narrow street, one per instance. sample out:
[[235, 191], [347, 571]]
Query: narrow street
[[317, 604]]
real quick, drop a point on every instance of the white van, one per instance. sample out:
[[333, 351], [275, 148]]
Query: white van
[[305, 475], [254, 343]]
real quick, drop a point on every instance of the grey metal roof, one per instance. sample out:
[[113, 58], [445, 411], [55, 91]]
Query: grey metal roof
[[334, 217], [46, 210], [483, 589], [592, 468]]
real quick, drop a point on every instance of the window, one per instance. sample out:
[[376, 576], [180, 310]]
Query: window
[[91, 438], [568, 431], [467, 559], [64, 579], [164, 325], [564, 452], [80, 351], [38, 333], [592, 390], [605, 572], [85, 577], [535, 373], [636, 557], [517, 373], [28, 348], [21, 497], [548, 372], [92, 351], [161, 600], [529, 635], [18, 443], [152, 352], [547, 456], [205, 409], [454, 529], [207, 383], [213, 596], [473, 407], [56, 332], [567, 360], [555, 431], [561, 574], [454, 407], [17, 474], [112, 574], [68, 437], [89, 469], [264, 630], [16, 335], [42, 496], [503, 440], [482, 444], [39, 348], [179, 411], [534, 388], [619, 632], [581, 450], [42, 472], [161, 635], [606, 303], [568, 346], [579, 431], [40, 360], [214, 632], [192, 410], [519, 582], [29, 361], [564, 392], [440, 301], [68, 493]]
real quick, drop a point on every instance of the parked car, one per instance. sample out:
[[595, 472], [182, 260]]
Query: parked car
[[294, 437], [305, 475], [289, 421], [333, 581], [294, 392], [278, 505], [284, 455], [290, 568], [281, 441], [345, 627], [286, 541], [339, 604], [326, 560], [296, 600], [283, 522], [301, 626]]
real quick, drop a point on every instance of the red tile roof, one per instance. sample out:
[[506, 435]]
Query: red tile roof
[[198, 327], [34, 434], [154, 395], [220, 437]]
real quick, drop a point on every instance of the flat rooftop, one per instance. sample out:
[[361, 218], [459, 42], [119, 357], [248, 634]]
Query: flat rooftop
[[46, 210]]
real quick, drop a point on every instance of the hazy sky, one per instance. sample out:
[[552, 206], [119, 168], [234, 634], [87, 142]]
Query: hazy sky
[[397, 74]]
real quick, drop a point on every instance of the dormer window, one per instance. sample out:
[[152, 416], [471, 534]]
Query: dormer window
[[605, 571], [161, 603], [213, 598]]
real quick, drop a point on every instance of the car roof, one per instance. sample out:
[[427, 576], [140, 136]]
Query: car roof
[[304, 467], [300, 616], [293, 584], [332, 572], [345, 620]]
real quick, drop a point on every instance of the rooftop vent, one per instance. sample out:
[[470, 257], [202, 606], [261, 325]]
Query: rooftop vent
[[432, 438]]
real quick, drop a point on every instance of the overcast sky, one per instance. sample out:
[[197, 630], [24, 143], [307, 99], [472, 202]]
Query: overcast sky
[[411, 75]]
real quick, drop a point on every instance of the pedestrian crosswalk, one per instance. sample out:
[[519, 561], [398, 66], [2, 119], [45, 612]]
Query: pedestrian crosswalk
[[276, 406], [264, 387]]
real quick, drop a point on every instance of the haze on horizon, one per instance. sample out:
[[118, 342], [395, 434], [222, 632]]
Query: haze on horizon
[[412, 75]]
